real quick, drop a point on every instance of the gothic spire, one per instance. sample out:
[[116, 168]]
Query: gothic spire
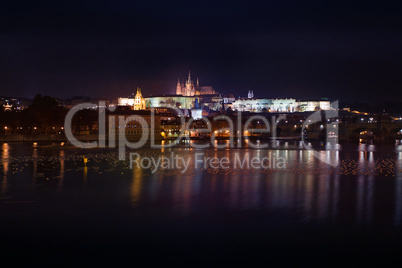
[[189, 78]]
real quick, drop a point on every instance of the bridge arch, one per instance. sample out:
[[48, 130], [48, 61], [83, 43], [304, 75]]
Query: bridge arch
[[365, 134]]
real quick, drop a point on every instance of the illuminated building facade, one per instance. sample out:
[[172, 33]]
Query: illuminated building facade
[[171, 101], [189, 89], [137, 102], [264, 105], [310, 106], [291, 105]]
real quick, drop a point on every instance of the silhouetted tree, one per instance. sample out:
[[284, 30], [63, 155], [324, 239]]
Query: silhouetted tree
[[45, 113]]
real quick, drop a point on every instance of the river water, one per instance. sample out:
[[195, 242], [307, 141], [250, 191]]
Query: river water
[[292, 207]]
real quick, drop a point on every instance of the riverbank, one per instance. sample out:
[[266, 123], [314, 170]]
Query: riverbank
[[95, 137]]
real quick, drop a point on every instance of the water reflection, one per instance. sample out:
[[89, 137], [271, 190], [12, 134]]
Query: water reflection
[[62, 167], [84, 176], [356, 190], [136, 185], [318, 191], [35, 161], [398, 190], [364, 187], [5, 160]]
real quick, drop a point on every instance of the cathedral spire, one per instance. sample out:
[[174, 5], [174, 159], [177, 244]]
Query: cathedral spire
[[189, 78], [178, 87], [198, 83]]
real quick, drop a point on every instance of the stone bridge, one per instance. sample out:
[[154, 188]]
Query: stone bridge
[[382, 131], [379, 131]]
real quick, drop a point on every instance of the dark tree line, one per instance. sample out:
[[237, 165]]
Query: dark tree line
[[44, 116]]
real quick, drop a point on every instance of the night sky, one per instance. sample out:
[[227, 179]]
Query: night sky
[[300, 49]]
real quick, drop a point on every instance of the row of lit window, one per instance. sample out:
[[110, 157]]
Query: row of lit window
[[127, 126], [139, 120], [134, 132]]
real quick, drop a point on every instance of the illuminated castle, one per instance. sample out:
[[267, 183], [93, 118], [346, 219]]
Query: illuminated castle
[[189, 89], [190, 96]]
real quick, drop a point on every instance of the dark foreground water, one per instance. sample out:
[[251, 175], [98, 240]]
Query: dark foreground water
[[55, 209]]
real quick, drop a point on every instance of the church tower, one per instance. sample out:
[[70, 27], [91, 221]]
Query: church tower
[[190, 91], [139, 101], [178, 87]]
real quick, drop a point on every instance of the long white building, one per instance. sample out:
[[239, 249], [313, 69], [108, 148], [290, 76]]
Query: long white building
[[261, 105], [278, 105]]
